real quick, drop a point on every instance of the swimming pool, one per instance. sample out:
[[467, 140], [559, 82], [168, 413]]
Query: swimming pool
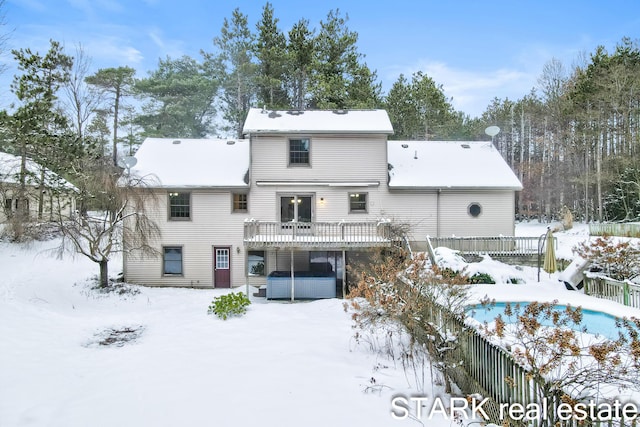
[[596, 322]]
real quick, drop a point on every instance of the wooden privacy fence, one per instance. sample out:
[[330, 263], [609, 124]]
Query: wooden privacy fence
[[623, 292], [615, 229], [490, 371]]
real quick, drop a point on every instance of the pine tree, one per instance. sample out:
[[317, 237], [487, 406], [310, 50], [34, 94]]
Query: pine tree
[[271, 48], [37, 129], [300, 61], [337, 70], [118, 84], [419, 109], [234, 63], [182, 96]]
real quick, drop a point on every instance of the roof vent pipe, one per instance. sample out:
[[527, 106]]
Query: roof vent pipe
[[415, 156]]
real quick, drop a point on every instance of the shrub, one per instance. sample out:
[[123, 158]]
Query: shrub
[[618, 258], [234, 304], [392, 299], [482, 278]]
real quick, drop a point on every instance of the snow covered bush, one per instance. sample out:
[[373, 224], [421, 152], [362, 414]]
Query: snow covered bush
[[233, 304], [481, 278]]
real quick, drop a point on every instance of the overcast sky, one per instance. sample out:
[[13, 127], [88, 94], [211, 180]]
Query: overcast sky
[[476, 50]]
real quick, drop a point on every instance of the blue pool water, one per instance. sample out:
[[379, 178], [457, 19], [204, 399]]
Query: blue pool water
[[596, 322]]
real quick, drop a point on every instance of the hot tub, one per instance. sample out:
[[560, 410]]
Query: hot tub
[[307, 285]]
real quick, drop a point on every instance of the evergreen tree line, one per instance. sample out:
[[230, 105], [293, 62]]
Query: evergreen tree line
[[573, 140]]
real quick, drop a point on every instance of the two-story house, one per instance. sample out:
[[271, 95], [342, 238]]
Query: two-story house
[[307, 192]]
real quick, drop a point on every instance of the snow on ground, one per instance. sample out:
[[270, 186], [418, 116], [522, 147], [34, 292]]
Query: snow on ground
[[549, 287], [281, 364]]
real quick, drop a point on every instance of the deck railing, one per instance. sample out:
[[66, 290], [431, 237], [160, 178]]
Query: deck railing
[[623, 292], [499, 245], [317, 234]]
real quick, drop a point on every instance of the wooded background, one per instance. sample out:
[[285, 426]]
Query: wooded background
[[572, 140]]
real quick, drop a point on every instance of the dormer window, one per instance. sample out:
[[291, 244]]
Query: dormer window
[[299, 150]]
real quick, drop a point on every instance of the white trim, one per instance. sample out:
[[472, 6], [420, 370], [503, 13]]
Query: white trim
[[319, 184]]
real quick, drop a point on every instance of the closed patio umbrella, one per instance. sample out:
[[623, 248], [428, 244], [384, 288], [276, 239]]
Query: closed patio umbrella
[[549, 265]]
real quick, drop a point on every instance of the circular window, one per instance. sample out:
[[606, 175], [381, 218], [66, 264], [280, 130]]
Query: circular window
[[475, 210]]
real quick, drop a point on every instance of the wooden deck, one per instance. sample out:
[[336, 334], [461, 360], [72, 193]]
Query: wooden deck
[[301, 235], [506, 246]]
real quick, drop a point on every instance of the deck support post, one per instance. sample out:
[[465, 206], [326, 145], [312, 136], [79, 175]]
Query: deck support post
[[292, 278], [344, 274]]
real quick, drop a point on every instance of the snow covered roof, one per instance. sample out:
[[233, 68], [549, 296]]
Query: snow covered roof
[[316, 121], [448, 164], [194, 162], [10, 170]]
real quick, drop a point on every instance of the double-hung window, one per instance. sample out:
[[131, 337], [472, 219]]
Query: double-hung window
[[299, 151], [358, 202], [179, 205], [172, 260]]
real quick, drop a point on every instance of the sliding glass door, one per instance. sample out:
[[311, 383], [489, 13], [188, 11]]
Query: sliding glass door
[[296, 208]]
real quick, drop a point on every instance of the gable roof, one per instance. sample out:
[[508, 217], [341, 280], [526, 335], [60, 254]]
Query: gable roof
[[317, 121], [10, 170], [448, 164], [184, 163]]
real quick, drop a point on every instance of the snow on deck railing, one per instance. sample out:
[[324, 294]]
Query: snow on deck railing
[[307, 234], [498, 245]]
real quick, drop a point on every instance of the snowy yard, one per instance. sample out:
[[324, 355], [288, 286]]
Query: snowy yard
[[281, 364]]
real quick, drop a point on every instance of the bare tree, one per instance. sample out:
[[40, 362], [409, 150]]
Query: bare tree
[[81, 101], [99, 235], [4, 36]]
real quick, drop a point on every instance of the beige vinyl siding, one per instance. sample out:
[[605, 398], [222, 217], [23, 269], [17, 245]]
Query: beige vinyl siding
[[428, 213], [415, 209], [211, 224], [264, 203], [337, 158], [497, 216]]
